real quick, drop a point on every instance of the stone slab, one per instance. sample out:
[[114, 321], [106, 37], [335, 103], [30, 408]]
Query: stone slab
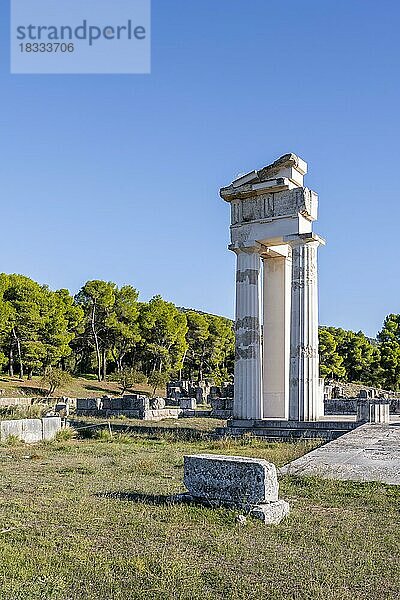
[[12, 427], [32, 430], [51, 425], [369, 453], [271, 513], [330, 423], [162, 413], [188, 403], [272, 429], [235, 480]]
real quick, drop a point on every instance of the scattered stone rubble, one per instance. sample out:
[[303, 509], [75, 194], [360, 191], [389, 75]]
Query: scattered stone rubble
[[347, 399], [343, 390], [135, 406], [188, 389]]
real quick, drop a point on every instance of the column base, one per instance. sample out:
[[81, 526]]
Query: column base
[[287, 430]]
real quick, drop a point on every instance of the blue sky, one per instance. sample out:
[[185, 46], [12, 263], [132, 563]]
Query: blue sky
[[117, 176]]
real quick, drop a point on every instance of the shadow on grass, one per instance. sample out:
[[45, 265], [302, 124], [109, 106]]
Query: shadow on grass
[[138, 497], [33, 391], [94, 388], [170, 434]]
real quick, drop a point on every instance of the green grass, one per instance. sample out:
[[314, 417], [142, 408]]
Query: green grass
[[88, 519]]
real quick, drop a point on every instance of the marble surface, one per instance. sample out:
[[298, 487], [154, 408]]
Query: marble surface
[[369, 453]]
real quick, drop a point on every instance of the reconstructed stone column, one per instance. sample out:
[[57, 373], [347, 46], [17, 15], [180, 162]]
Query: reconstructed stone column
[[276, 333], [304, 401], [247, 394], [271, 209]]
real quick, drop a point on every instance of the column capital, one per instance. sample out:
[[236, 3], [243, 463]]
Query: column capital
[[278, 251], [299, 239], [250, 247]]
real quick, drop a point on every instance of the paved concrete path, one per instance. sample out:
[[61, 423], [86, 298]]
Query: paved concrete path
[[369, 453]]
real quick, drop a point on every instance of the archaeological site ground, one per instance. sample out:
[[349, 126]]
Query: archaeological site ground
[[262, 480], [199, 300], [89, 518]]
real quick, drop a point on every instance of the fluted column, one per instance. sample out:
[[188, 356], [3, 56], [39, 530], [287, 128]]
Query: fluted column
[[248, 388], [304, 395]]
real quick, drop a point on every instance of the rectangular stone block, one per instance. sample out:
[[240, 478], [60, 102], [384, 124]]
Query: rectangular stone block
[[109, 403], [83, 404], [12, 427], [222, 404], [232, 480], [51, 425], [163, 413], [187, 403], [32, 430]]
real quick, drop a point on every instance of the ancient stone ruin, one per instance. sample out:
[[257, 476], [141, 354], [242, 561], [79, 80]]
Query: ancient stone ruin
[[277, 388], [135, 406], [247, 484], [272, 215], [30, 431]]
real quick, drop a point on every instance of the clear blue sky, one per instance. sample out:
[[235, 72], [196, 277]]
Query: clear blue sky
[[117, 177]]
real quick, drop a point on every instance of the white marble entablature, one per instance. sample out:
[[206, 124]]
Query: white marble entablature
[[274, 192], [289, 167], [284, 203]]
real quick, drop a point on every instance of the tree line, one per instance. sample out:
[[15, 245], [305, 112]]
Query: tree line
[[349, 356], [104, 329]]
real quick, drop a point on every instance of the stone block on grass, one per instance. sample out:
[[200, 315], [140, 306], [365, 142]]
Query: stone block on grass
[[271, 513], [235, 480], [249, 484], [51, 426], [32, 430], [13, 427]]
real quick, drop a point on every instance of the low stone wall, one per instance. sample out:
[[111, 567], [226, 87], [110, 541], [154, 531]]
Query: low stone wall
[[6, 402], [30, 430], [133, 407], [395, 406], [338, 406], [25, 401], [342, 406], [221, 408]]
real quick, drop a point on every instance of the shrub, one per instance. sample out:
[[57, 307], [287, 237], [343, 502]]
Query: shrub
[[55, 378], [14, 440], [103, 435], [127, 378], [65, 434]]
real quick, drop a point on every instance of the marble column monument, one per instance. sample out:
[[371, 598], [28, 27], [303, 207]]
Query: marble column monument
[[276, 361]]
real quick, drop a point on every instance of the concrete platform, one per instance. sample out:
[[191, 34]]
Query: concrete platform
[[368, 453]]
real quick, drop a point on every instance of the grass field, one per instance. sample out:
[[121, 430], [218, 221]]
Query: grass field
[[88, 519]]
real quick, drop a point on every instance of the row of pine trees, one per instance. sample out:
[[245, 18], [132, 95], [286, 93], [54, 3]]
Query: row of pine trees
[[106, 330]]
